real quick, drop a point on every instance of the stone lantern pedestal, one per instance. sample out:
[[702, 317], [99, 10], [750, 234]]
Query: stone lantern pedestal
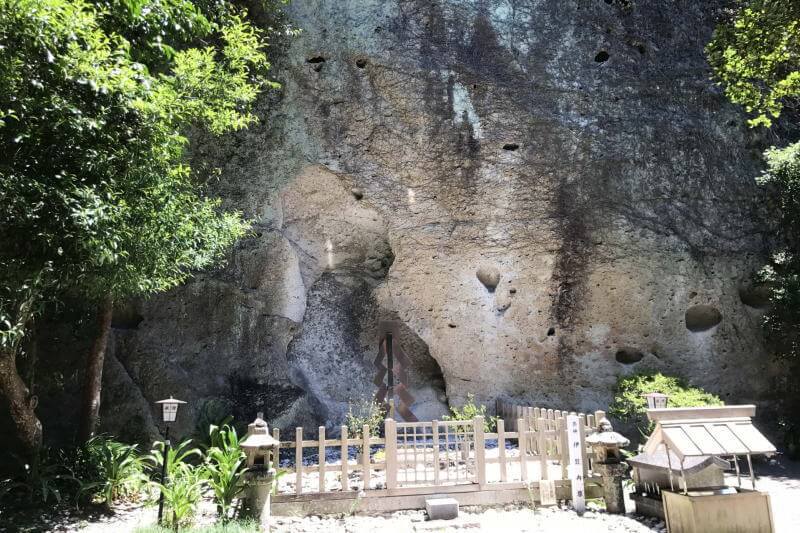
[[259, 494], [613, 493]]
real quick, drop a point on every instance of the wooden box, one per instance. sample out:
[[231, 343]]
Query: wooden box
[[718, 510]]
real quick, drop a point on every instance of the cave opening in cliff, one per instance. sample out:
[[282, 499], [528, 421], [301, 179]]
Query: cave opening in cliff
[[601, 57]]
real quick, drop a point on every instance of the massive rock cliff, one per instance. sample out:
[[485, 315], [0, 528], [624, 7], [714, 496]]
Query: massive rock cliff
[[576, 149]]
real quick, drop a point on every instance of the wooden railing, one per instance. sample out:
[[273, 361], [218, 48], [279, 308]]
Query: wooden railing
[[437, 453], [366, 465]]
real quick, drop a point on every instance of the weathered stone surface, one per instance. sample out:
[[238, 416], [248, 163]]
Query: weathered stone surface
[[576, 146]]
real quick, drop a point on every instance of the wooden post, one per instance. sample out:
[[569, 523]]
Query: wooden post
[[584, 455], [543, 450], [561, 432], [435, 429], [276, 453], [321, 461], [501, 448], [390, 450], [365, 456], [598, 416], [480, 449], [344, 453], [523, 460], [298, 459]]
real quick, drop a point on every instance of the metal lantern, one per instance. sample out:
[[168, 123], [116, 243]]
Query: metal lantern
[[656, 400], [169, 409]]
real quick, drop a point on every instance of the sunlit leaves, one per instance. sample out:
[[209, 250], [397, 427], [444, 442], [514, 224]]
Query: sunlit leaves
[[756, 57]]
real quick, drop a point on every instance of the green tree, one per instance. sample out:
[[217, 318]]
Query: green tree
[[755, 56], [97, 196]]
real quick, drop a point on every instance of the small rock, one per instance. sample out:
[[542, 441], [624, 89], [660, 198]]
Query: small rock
[[489, 276]]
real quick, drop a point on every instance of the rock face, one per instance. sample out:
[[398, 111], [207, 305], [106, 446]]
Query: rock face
[[577, 147]]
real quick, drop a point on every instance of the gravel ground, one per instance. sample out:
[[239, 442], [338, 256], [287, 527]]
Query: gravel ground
[[507, 518], [781, 479]]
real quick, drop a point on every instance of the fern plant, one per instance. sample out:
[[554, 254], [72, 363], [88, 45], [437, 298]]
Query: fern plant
[[469, 411], [182, 492]]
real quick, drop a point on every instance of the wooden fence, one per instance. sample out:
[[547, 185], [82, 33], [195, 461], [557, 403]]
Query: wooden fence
[[528, 445]]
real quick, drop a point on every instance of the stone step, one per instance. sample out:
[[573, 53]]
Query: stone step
[[441, 508]]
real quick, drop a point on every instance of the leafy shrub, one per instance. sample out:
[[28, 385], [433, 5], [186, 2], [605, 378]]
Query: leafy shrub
[[469, 411], [182, 492], [113, 470], [225, 468], [630, 405], [53, 479], [214, 412], [176, 456], [366, 412]]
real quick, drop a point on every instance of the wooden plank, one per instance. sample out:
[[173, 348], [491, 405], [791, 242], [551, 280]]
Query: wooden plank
[[590, 421], [584, 454], [390, 430], [298, 460], [344, 453], [321, 458], [701, 413], [561, 428], [435, 430], [480, 449], [523, 459], [598, 417], [365, 473], [276, 454], [543, 452], [501, 449]]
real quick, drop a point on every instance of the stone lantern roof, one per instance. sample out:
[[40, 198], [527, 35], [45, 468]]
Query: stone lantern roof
[[606, 436], [258, 439]]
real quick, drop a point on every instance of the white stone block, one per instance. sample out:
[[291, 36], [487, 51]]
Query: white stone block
[[441, 508]]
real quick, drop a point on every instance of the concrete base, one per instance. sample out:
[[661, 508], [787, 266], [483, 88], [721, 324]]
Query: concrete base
[[441, 508]]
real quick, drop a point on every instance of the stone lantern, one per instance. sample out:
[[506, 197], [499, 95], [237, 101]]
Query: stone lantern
[[607, 446], [258, 447]]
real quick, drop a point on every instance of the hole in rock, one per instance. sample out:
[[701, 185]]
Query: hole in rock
[[628, 355], [641, 48], [510, 147], [361, 63], [601, 57], [609, 2], [702, 317], [126, 317], [316, 62], [451, 325], [551, 332], [358, 194], [755, 296]]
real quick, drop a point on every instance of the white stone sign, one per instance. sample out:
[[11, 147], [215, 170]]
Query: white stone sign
[[575, 467]]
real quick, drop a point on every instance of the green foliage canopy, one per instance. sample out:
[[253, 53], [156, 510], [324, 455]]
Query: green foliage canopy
[[755, 57], [630, 405], [97, 195]]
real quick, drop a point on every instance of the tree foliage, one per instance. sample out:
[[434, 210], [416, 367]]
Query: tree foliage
[[755, 57], [97, 195], [630, 405]]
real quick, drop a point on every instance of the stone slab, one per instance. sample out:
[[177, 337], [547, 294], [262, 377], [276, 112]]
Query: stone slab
[[441, 508]]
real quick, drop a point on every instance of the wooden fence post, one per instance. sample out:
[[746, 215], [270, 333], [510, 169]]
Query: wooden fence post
[[276, 453], [522, 437], [561, 431], [543, 450], [298, 459], [436, 463], [365, 456], [345, 454], [480, 449], [321, 460], [501, 448], [390, 451]]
